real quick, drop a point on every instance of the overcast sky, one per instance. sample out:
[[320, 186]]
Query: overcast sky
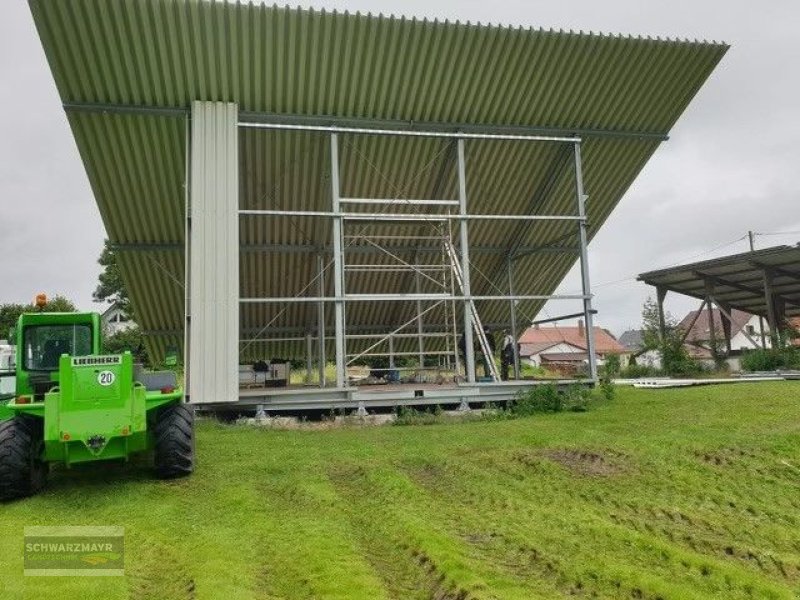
[[731, 164]]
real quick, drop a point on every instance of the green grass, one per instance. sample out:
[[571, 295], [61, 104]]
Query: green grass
[[688, 493]]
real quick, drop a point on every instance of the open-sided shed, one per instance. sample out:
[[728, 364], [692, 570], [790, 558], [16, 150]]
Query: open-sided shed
[[761, 282], [286, 182]]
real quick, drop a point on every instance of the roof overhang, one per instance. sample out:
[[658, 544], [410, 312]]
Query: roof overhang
[[127, 72], [738, 280]]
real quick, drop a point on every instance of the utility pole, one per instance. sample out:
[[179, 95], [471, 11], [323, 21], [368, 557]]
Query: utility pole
[[752, 237]]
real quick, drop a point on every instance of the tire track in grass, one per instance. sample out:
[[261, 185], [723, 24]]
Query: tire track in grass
[[528, 565], [407, 573], [304, 546], [656, 564], [160, 574], [693, 560], [410, 521]]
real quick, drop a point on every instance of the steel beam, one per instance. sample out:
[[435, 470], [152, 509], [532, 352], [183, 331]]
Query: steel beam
[[513, 315], [583, 237], [338, 263], [392, 217], [694, 320], [661, 294], [313, 249], [321, 320], [465, 264], [712, 328], [362, 123]]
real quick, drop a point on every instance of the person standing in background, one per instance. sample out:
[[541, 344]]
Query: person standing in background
[[506, 354]]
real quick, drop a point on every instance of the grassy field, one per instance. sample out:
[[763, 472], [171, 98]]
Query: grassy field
[[691, 493]]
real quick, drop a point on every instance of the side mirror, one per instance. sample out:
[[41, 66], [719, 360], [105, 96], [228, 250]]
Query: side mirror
[[12, 336]]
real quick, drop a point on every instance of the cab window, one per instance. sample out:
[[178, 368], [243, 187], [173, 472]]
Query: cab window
[[44, 344]]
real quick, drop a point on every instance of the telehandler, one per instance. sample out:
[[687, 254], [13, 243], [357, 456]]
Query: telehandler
[[74, 404]]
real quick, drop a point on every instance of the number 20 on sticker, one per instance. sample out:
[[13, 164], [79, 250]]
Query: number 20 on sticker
[[106, 378]]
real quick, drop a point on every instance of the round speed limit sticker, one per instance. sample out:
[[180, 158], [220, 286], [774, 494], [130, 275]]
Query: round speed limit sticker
[[106, 378]]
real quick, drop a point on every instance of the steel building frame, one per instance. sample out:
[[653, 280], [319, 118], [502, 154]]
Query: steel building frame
[[339, 216]]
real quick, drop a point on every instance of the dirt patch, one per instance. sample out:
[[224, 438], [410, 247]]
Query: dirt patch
[[586, 462]]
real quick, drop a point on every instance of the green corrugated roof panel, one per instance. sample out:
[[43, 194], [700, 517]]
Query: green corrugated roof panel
[[294, 63]]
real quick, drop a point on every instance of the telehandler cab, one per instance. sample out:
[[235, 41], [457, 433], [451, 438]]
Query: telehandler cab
[[74, 404]]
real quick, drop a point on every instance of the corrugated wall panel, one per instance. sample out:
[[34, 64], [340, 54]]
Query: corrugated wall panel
[[213, 269]]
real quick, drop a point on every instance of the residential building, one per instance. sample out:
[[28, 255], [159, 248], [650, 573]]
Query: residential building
[[566, 346], [115, 320], [633, 342], [745, 334]]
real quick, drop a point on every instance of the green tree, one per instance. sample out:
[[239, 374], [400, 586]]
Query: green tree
[[9, 313], [675, 359], [130, 339], [110, 287]]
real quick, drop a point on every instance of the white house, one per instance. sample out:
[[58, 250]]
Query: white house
[[745, 332], [566, 345], [114, 320]]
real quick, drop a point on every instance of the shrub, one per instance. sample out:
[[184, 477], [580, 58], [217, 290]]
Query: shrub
[[635, 371], [771, 359], [607, 388], [538, 399], [611, 367], [548, 399], [131, 340], [408, 415]]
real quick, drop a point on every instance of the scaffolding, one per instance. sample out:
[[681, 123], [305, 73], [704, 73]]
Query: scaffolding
[[441, 276]]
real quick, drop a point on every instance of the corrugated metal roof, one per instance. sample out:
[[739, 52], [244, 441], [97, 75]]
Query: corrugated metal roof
[[291, 63], [738, 279]]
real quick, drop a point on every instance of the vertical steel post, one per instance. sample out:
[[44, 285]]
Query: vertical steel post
[[309, 357], [513, 307], [466, 289], [752, 237], [712, 328], [420, 342], [338, 271], [391, 353], [772, 319], [584, 242], [321, 319], [661, 294]]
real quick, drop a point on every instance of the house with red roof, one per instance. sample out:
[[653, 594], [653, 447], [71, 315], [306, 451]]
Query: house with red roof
[[566, 345]]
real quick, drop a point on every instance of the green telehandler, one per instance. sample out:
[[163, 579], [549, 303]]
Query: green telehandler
[[74, 404]]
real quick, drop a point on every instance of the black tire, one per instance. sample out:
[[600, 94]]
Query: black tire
[[22, 470], [174, 441]]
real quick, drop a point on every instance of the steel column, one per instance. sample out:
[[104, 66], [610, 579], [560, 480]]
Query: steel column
[[661, 294], [338, 270], [712, 331], [588, 313], [770, 302], [513, 307], [309, 357], [321, 319], [420, 342], [464, 242]]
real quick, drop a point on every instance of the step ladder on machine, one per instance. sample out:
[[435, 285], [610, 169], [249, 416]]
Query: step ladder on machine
[[458, 276]]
